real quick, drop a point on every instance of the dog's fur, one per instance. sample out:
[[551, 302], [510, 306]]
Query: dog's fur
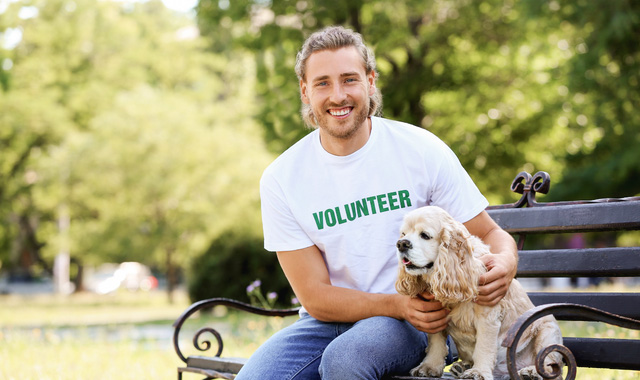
[[438, 255]]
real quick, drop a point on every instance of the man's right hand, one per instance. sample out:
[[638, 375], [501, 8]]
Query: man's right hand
[[425, 313]]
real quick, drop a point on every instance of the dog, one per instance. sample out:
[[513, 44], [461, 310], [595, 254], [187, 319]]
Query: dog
[[438, 255]]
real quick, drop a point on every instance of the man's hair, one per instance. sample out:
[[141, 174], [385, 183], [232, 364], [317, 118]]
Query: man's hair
[[333, 38]]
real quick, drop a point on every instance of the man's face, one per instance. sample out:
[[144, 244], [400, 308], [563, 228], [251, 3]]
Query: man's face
[[338, 89]]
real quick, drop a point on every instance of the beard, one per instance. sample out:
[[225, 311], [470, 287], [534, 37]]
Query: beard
[[342, 129]]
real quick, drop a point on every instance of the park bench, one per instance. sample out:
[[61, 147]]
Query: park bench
[[524, 218]]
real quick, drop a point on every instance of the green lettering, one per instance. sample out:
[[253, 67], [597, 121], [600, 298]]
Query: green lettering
[[350, 215], [405, 201], [393, 201], [373, 205], [341, 220], [319, 221], [382, 202], [330, 217], [362, 208]]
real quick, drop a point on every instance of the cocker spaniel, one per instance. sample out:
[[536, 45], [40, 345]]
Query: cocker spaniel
[[438, 255]]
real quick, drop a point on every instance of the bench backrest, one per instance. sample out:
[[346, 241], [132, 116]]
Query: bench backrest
[[591, 262]]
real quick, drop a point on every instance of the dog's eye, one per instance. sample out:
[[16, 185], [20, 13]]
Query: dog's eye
[[425, 236], [402, 234]]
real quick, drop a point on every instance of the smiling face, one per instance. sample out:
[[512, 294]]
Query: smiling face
[[337, 88], [419, 241]]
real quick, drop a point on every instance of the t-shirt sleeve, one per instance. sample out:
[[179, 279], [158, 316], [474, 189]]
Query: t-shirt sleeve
[[282, 232], [455, 191]]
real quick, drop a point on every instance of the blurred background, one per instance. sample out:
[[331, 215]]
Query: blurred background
[[133, 134]]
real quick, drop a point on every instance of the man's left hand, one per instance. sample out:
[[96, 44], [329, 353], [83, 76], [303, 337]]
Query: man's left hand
[[495, 283]]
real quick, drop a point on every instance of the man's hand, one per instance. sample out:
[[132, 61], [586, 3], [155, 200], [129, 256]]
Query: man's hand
[[502, 265], [425, 313], [495, 283]]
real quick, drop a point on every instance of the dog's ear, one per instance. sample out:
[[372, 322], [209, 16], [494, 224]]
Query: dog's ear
[[454, 278], [409, 285]]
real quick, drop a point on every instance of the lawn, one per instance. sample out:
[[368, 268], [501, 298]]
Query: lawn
[[124, 336], [128, 336]]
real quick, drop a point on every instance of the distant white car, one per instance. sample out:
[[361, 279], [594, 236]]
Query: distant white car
[[132, 276]]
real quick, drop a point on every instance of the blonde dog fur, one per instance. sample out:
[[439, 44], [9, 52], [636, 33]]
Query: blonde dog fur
[[438, 255]]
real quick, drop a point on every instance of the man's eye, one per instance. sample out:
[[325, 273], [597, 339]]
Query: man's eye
[[425, 236]]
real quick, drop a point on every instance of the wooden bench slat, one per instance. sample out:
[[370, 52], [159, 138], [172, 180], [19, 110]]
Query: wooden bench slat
[[209, 373], [570, 218], [605, 353], [624, 304], [219, 364], [589, 262]]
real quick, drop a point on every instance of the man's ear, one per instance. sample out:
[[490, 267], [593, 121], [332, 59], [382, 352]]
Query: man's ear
[[371, 77], [303, 92]]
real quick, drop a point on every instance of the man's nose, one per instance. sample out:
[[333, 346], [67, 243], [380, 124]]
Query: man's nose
[[338, 94]]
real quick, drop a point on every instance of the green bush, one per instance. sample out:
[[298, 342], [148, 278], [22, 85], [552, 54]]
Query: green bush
[[233, 262]]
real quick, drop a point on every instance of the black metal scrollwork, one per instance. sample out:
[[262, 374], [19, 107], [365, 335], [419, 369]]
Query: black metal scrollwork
[[568, 358], [528, 186], [206, 343], [584, 313]]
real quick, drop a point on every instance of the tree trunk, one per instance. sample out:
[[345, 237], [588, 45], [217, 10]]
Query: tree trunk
[[171, 275]]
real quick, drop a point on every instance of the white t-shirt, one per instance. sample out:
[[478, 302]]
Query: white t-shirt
[[351, 207]]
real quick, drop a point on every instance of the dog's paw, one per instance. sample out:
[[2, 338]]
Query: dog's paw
[[458, 368], [475, 374], [426, 371], [529, 373], [553, 365]]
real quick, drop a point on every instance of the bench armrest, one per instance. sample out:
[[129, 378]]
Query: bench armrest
[[584, 313], [209, 303]]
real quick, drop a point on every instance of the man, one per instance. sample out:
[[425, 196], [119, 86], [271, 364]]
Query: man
[[332, 205]]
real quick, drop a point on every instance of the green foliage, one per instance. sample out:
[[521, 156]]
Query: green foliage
[[152, 139], [230, 266], [502, 82], [603, 83], [117, 115]]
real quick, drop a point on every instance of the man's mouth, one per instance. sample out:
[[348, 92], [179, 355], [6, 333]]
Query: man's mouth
[[340, 112]]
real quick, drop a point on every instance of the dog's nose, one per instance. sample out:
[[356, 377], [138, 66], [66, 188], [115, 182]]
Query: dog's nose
[[403, 245]]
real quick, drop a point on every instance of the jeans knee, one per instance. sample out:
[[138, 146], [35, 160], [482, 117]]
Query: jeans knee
[[336, 365], [395, 347]]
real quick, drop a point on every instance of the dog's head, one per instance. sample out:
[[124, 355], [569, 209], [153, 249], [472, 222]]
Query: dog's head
[[419, 241], [435, 255]]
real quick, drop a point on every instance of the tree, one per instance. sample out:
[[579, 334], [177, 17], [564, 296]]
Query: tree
[[154, 151], [603, 87], [27, 127], [480, 76], [153, 181]]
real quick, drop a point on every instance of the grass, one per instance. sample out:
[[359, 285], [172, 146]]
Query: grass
[[102, 337], [87, 336], [45, 356], [89, 309]]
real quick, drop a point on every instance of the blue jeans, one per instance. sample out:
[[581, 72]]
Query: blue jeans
[[310, 349]]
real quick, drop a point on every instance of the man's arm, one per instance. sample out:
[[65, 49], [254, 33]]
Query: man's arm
[[502, 263], [307, 273]]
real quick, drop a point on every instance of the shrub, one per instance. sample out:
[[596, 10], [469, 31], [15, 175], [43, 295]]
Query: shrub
[[233, 262]]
